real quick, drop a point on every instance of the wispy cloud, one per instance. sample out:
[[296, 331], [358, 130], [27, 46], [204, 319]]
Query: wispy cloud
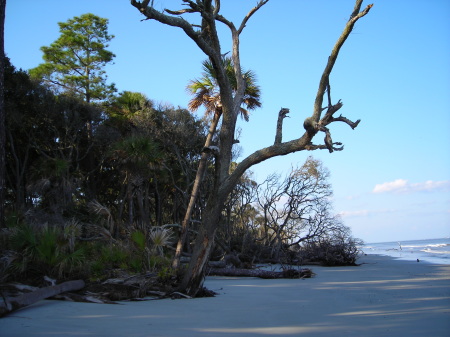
[[351, 214], [365, 212], [403, 186]]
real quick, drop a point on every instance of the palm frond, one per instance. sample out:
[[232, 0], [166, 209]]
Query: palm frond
[[160, 237], [206, 90]]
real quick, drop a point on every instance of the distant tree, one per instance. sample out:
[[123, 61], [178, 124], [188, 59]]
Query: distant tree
[[205, 36], [75, 61], [296, 209], [239, 216], [2, 115]]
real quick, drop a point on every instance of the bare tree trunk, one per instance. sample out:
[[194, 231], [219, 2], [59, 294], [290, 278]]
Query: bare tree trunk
[[194, 193], [195, 274]]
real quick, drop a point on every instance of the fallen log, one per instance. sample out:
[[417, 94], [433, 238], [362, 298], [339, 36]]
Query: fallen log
[[265, 274], [15, 303]]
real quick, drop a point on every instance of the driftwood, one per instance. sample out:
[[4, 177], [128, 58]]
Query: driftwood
[[136, 287], [24, 300], [266, 274]]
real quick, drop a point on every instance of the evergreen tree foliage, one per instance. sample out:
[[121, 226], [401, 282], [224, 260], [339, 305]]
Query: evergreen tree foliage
[[75, 61]]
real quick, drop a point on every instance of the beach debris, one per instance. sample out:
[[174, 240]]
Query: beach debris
[[10, 304], [291, 273]]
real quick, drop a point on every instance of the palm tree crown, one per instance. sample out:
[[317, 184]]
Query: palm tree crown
[[206, 89]]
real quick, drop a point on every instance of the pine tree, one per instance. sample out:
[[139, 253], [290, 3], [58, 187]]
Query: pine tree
[[75, 61]]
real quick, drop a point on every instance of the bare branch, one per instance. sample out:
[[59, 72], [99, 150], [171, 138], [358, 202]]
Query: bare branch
[[324, 81], [252, 11], [180, 12], [216, 8], [244, 21], [279, 133], [194, 9], [328, 89], [328, 141], [152, 14], [313, 147], [356, 9], [328, 118], [353, 125]]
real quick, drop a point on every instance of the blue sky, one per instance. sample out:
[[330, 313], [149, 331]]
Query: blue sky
[[392, 181]]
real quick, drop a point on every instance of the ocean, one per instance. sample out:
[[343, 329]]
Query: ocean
[[434, 250]]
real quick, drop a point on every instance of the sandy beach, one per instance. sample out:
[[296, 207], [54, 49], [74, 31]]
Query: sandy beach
[[382, 297]]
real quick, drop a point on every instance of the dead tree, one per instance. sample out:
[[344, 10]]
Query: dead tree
[[206, 37]]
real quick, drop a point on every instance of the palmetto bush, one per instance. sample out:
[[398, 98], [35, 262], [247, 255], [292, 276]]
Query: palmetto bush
[[31, 251], [160, 237], [48, 250]]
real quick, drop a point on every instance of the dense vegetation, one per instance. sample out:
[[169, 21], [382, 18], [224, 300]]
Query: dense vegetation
[[98, 182]]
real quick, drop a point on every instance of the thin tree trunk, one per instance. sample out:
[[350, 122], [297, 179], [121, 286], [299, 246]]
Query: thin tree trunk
[[194, 193], [195, 273]]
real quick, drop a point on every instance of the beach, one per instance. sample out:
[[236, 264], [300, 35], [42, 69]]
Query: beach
[[381, 297]]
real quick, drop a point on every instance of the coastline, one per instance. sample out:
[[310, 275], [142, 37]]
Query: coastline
[[428, 250], [381, 297]]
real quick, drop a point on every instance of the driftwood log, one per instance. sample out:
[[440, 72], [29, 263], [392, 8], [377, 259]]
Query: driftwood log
[[266, 274], [14, 303], [136, 287]]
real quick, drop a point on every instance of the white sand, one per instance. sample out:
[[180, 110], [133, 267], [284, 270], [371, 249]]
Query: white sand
[[383, 297]]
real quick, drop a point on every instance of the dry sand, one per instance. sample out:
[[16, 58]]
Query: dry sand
[[382, 297]]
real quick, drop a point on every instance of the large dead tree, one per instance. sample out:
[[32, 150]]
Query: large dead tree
[[205, 36]]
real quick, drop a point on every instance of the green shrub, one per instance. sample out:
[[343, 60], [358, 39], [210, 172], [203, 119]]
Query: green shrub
[[139, 239]]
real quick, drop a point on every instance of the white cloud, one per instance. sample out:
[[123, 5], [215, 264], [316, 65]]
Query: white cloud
[[365, 212], [403, 186], [396, 185], [432, 185]]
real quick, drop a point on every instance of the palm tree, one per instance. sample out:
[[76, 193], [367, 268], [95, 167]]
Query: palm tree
[[206, 93], [138, 154], [125, 106], [206, 90]]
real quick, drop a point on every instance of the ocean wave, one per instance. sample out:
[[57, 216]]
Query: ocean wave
[[436, 245], [431, 251], [439, 245]]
